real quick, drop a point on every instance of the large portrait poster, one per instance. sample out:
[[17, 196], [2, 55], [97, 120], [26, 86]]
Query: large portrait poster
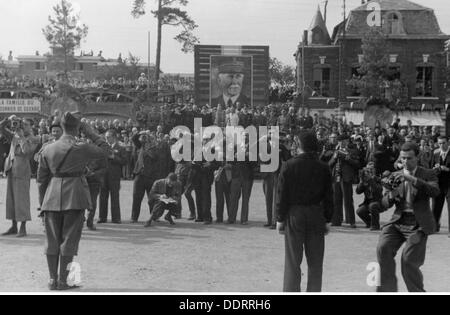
[[231, 81], [229, 75]]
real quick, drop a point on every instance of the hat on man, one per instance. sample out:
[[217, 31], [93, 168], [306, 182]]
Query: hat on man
[[232, 66], [70, 120]]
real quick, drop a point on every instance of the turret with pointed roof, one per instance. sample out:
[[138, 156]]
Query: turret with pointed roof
[[318, 32]]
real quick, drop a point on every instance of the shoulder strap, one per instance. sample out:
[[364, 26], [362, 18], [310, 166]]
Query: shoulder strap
[[61, 164]]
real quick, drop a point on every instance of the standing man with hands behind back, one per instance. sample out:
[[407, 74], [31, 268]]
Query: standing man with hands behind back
[[304, 207]]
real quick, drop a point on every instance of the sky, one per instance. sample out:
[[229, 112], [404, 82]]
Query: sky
[[112, 29]]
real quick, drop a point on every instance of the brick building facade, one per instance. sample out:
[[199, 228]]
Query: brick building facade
[[416, 53]]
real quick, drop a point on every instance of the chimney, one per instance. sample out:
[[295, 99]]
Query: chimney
[[100, 53], [37, 52], [10, 57], [305, 37]]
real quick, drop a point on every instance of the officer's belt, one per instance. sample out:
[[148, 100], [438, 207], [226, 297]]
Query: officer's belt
[[68, 175]]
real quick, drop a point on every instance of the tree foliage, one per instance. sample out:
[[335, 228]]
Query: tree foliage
[[280, 73], [172, 13], [65, 30], [374, 69]]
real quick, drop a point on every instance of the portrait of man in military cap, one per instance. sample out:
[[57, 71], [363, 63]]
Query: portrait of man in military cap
[[231, 81]]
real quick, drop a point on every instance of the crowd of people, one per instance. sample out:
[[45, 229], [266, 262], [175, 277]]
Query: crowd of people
[[142, 151], [353, 152], [165, 83]]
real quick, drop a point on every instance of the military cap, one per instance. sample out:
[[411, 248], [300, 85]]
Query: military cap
[[232, 66]]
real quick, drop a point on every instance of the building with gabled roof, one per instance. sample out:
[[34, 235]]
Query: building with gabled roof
[[416, 54]]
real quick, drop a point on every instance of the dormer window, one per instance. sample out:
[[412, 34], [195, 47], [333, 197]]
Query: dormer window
[[394, 24]]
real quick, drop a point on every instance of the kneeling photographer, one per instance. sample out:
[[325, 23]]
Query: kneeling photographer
[[370, 185]]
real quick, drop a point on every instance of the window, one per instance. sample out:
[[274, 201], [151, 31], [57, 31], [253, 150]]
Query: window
[[321, 79], [393, 73], [424, 82], [394, 24], [39, 66], [354, 90]]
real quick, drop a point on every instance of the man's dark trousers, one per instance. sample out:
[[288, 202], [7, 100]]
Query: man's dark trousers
[[438, 205], [305, 230], [94, 189], [268, 187], [110, 188], [202, 189], [222, 197], [142, 184], [240, 187], [413, 257], [343, 196], [187, 192]]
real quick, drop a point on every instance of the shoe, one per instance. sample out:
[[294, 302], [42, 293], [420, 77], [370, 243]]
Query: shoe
[[353, 226], [11, 231], [117, 222], [133, 222], [102, 221], [52, 285], [178, 217], [207, 222], [169, 219], [273, 227], [244, 223], [268, 225], [231, 222], [199, 221], [63, 286], [148, 224], [219, 221], [22, 234], [191, 219], [375, 228], [438, 229], [336, 224], [92, 228]]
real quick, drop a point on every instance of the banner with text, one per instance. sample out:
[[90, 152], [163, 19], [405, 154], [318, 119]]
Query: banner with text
[[15, 106]]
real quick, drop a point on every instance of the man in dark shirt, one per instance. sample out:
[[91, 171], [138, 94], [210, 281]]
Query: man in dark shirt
[[304, 208]]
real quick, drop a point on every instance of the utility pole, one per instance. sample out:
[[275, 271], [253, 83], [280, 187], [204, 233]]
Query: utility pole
[[342, 51], [148, 69], [325, 12]]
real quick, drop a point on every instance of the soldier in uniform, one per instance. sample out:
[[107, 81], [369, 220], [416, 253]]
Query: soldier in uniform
[[64, 194]]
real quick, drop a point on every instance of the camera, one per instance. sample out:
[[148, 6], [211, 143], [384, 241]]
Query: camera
[[16, 124], [342, 154], [392, 181]]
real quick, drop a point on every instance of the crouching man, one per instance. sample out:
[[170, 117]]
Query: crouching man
[[370, 185], [411, 223], [165, 196]]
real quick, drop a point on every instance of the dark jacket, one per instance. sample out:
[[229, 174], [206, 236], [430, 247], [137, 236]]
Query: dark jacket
[[146, 163], [427, 187], [349, 167], [115, 164], [305, 181], [444, 177]]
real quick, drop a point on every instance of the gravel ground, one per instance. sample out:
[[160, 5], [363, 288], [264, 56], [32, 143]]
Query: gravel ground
[[196, 258]]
